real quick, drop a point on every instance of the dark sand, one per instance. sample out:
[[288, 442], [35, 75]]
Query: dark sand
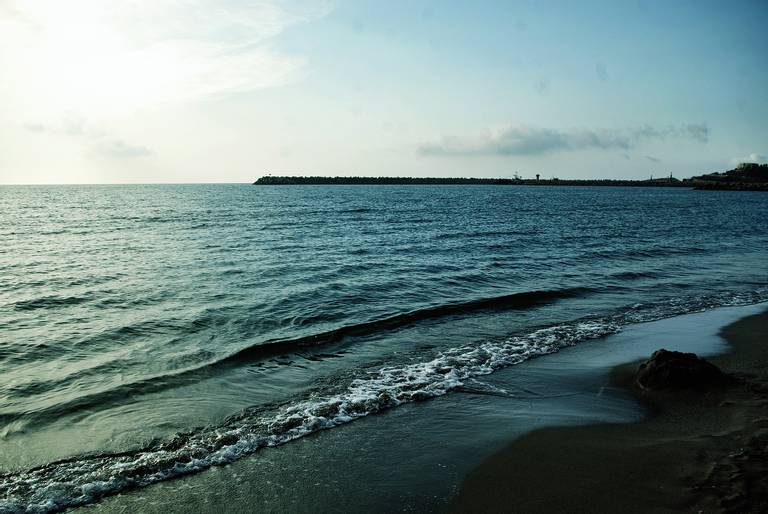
[[698, 452]]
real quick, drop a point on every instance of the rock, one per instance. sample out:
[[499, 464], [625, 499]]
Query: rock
[[667, 370]]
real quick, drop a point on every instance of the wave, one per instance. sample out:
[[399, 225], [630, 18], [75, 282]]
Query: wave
[[85, 479], [634, 275], [357, 210], [506, 302], [481, 234], [50, 302], [265, 349], [642, 254]]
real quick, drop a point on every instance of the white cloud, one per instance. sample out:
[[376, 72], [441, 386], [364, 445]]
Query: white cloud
[[753, 157], [536, 141]]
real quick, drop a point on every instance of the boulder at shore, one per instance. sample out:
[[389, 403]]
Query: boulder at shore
[[668, 370]]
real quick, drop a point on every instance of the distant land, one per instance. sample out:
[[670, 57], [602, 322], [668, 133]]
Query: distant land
[[745, 177], [748, 176]]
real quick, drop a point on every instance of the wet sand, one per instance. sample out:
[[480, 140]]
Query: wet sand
[[698, 452]]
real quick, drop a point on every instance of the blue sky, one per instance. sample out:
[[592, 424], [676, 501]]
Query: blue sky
[[208, 91]]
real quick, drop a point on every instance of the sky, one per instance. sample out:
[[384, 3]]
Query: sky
[[145, 91]]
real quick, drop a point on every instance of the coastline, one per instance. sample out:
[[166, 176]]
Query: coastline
[[698, 452]]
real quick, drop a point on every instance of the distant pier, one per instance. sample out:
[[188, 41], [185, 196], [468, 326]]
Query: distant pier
[[270, 180]]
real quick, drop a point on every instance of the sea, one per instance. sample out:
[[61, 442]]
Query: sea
[[330, 348]]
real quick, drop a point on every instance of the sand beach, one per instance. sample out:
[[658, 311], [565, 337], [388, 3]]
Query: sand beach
[[698, 452]]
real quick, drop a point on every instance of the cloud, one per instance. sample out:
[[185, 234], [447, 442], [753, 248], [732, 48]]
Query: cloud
[[696, 131], [699, 132], [753, 157], [77, 129], [66, 125], [122, 150], [95, 58], [536, 141], [652, 159]]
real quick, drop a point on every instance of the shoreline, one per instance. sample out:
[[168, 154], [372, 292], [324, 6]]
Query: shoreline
[[698, 452]]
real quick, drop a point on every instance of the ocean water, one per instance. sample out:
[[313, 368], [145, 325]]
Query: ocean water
[[153, 332]]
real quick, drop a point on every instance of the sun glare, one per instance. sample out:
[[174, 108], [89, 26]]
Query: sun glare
[[97, 60], [74, 59]]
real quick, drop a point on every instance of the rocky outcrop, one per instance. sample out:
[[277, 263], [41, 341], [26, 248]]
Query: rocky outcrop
[[667, 370]]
